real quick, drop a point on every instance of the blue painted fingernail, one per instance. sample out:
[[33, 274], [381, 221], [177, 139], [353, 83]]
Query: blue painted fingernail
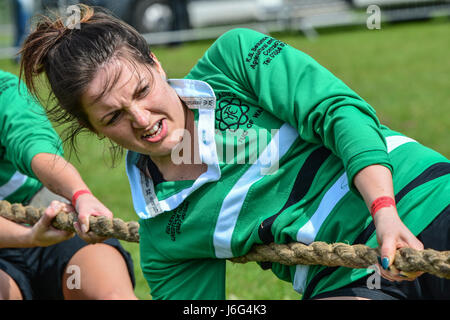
[[385, 263]]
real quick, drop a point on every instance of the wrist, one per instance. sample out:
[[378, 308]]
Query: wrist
[[77, 194], [30, 239], [381, 203]]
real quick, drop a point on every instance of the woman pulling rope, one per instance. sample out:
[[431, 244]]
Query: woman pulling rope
[[317, 253], [313, 161]]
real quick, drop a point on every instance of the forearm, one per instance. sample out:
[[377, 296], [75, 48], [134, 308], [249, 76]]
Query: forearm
[[41, 234], [14, 235], [373, 182], [62, 178], [57, 174]]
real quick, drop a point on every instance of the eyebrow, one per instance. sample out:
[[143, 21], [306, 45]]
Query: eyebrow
[[138, 88], [134, 95], [108, 86]]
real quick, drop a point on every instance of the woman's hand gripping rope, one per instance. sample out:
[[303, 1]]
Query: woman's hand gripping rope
[[407, 259]]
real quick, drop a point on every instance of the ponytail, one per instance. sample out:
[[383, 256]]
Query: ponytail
[[67, 58], [44, 38]]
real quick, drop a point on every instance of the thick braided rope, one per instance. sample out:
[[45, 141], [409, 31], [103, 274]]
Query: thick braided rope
[[317, 253], [352, 256], [102, 226]]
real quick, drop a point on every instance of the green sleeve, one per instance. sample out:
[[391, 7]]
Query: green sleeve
[[198, 279], [25, 129], [290, 84]]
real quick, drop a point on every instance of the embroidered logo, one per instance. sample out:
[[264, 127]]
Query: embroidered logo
[[231, 114], [174, 226]]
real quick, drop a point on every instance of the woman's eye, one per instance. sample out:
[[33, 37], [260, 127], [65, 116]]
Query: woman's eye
[[143, 92], [114, 118]]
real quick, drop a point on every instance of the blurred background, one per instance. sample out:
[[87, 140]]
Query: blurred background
[[394, 53], [175, 21]]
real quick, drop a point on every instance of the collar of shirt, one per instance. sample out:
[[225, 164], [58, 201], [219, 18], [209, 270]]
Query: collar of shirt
[[197, 95]]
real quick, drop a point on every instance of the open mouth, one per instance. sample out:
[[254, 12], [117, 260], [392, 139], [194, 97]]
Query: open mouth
[[154, 131]]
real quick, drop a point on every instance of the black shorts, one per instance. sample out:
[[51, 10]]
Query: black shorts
[[436, 236], [39, 271]]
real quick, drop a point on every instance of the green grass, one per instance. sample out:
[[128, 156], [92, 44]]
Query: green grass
[[402, 70]]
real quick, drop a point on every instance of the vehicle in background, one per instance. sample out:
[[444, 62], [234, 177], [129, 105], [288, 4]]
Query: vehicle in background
[[159, 15]]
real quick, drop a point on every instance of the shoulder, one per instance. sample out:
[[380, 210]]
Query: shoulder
[[239, 36], [4, 76], [7, 81], [12, 88], [231, 46], [227, 53], [241, 33], [15, 93]]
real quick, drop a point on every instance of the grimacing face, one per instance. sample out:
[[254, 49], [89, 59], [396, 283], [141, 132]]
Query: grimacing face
[[139, 112]]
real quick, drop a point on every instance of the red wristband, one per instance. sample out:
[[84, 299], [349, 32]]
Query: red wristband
[[381, 202], [77, 194]]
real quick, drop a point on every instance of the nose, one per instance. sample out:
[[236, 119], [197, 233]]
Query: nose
[[140, 116]]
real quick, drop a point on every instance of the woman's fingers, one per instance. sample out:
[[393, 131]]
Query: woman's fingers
[[87, 205], [43, 233], [387, 251], [386, 260], [89, 237]]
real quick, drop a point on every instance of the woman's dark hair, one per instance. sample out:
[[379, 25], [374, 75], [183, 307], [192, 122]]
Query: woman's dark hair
[[69, 56]]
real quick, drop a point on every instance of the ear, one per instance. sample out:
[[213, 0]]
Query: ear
[[158, 67]]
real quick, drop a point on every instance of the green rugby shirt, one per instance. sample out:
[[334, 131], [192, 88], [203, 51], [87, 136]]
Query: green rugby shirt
[[24, 132], [283, 139]]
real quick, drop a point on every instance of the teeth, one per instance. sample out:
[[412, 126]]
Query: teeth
[[153, 131]]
